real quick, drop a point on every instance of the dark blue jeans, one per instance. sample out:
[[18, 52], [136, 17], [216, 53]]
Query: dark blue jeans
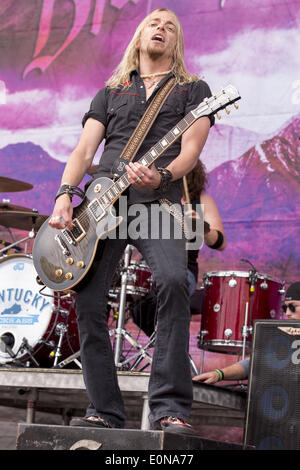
[[170, 386]]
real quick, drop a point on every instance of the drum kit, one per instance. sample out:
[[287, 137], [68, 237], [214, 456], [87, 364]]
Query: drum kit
[[232, 301], [38, 326]]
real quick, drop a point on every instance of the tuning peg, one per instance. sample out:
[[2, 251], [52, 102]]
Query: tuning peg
[[227, 111], [219, 116], [236, 106]]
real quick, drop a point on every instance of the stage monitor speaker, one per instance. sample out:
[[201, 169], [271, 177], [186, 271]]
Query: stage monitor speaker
[[273, 406]]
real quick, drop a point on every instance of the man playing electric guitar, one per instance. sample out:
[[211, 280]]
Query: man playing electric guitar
[[153, 56]]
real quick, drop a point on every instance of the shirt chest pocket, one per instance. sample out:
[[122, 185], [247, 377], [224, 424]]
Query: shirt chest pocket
[[117, 112], [115, 105], [175, 104]]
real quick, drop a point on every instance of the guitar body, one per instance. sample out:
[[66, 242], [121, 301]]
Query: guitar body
[[62, 257]]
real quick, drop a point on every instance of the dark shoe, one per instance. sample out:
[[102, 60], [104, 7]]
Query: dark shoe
[[173, 424], [90, 421]]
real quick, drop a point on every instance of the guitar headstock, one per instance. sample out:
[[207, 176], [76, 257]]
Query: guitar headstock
[[226, 97]]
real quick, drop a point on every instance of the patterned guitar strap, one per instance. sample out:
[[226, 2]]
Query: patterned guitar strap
[[136, 141], [142, 129]]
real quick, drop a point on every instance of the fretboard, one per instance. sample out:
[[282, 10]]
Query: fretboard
[[208, 106], [119, 186]]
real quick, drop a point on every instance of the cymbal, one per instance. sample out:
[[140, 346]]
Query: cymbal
[[23, 220], [10, 185], [6, 206]]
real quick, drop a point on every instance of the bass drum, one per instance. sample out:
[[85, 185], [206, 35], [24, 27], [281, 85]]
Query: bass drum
[[232, 301], [32, 322]]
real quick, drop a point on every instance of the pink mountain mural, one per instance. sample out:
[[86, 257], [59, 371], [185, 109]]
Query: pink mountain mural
[[263, 184]]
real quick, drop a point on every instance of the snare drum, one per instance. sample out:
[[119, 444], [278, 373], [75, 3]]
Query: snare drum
[[30, 320], [139, 280], [231, 304]]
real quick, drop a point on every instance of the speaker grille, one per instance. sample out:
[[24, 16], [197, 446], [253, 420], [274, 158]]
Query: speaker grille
[[273, 409]]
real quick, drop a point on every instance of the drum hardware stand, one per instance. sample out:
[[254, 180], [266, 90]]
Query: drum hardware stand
[[193, 365], [30, 235], [245, 331], [60, 330], [141, 354], [7, 229], [25, 347], [73, 357], [120, 332], [200, 342]]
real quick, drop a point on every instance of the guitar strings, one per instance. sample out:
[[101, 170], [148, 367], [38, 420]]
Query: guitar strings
[[170, 137]]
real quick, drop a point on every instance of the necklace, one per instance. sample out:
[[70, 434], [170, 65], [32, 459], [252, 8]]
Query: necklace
[[153, 76], [157, 74]]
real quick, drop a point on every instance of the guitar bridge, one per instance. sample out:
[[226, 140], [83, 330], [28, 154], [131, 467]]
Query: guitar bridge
[[62, 245]]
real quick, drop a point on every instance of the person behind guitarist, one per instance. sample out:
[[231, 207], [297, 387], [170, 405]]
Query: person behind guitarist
[[155, 54], [214, 234]]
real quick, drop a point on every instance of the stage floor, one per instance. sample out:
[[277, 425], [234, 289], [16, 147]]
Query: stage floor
[[50, 396]]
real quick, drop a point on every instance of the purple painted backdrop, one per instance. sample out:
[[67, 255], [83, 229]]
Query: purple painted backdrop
[[55, 55]]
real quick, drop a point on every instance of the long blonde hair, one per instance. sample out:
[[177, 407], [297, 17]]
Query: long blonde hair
[[130, 59]]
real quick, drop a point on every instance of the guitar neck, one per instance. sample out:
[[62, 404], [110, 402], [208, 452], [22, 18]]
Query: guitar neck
[[118, 187]]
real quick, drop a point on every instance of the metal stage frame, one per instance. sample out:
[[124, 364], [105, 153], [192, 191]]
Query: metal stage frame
[[63, 391]]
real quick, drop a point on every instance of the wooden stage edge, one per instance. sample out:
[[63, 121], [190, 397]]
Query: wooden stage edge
[[44, 437]]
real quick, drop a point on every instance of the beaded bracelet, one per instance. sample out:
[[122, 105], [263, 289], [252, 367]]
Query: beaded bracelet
[[220, 374]]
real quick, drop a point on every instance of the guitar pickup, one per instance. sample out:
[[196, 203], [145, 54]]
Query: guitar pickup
[[76, 234], [67, 234], [96, 209], [77, 231]]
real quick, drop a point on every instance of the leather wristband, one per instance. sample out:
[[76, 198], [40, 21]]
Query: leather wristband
[[218, 242], [166, 178], [70, 190]]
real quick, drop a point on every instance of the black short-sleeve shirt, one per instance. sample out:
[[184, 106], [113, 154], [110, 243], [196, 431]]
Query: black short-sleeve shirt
[[120, 111]]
